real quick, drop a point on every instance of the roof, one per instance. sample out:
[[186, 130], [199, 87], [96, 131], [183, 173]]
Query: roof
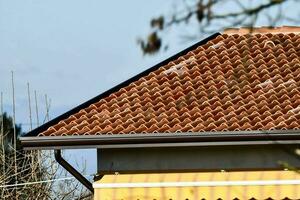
[[235, 81]]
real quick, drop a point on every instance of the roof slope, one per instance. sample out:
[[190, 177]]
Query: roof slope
[[233, 82]]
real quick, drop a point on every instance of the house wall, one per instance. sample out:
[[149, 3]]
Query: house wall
[[175, 186]]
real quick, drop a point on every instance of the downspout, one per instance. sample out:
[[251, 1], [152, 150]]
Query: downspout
[[72, 170]]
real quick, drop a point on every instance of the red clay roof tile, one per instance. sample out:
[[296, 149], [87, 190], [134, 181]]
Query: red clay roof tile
[[237, 81]]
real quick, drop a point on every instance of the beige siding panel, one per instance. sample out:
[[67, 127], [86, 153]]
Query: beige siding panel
[[224, 185]]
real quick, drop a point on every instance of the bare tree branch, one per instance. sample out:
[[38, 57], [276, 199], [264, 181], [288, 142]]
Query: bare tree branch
[[211, 18]]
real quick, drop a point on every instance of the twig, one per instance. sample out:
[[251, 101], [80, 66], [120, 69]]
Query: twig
[[14, 127], [2, 140], [29, 105], [36, 109], [47, 118]]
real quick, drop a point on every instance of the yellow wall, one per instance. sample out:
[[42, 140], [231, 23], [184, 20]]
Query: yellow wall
[[198, 192]]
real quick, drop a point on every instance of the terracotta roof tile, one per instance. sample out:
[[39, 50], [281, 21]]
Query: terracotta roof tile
[[237, 81]]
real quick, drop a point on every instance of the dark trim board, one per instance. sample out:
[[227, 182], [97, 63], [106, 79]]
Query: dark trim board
[[196, 159], [163, 139], [45, 126]]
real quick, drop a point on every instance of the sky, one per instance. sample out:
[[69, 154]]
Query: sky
[[73, 50]]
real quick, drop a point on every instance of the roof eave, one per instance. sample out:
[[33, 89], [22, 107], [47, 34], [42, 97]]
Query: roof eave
[[151, 140]]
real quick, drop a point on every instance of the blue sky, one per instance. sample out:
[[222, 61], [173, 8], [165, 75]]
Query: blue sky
[[72, 50]]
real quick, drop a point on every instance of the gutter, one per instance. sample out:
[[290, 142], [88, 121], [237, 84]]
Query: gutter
[[163, 140], [73, 171]]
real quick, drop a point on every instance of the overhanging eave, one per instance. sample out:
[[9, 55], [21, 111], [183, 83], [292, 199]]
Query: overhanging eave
[[162, 140]]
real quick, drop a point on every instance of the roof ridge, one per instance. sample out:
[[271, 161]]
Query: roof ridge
[[262, 30]]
